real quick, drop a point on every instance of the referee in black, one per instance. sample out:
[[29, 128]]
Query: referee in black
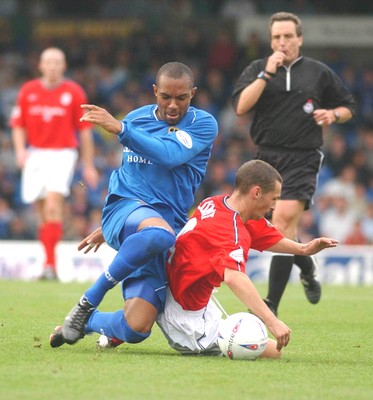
[[292, 97]]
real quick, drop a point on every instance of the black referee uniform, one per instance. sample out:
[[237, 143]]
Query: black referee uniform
[[283, 127]]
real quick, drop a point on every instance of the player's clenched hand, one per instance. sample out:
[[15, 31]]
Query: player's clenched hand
[[324, 117], [275, 60], [99, 116], [281, 332], [93, 241]]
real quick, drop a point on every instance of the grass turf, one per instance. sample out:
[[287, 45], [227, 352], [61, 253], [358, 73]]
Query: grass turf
[[330, 355]]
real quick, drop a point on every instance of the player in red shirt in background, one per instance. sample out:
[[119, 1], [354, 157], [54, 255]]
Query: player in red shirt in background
[[45, 123]]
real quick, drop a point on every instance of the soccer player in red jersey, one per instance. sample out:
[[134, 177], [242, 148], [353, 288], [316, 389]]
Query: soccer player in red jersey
[[45, 122], [213, 248]]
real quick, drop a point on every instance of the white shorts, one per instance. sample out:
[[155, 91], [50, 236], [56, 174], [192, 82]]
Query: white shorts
[[47, 170], [190, 332]]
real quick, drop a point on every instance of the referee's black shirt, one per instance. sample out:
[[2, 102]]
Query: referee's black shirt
[[283, 113]]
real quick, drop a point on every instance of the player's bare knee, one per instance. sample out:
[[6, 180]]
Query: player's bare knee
[[134, 334], [140, 315]]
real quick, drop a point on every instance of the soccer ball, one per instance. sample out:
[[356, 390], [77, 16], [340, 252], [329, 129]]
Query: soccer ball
[[242, 336]]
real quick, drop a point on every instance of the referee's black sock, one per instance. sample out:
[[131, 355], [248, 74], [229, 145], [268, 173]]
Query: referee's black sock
[[279, 274], [305, 264]]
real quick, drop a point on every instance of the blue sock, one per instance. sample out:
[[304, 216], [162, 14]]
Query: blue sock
[[134, 252], [114, 325]]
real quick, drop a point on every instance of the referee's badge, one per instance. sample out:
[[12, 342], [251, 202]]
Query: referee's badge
[[308, 106]]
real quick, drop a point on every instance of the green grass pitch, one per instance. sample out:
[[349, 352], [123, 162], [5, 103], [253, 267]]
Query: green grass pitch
[[330, 355]]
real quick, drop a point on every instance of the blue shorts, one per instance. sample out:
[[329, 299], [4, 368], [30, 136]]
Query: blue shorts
[[142, 288], [115, 216], [121, 219]]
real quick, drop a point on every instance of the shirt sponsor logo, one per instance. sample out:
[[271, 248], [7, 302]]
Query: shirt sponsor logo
[[185, 139], [47, 113], [138, 159], [134, 158]]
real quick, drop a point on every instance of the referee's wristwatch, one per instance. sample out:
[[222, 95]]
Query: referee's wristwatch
[[337, 116], [262, 75]]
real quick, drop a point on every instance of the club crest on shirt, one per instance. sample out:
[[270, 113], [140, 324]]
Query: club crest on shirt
[[308, 107], [172, 129], [66, 98]]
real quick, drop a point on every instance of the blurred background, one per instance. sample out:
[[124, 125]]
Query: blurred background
[[114, 49]]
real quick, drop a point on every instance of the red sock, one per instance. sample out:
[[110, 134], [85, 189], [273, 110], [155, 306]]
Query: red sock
[[50, 233]]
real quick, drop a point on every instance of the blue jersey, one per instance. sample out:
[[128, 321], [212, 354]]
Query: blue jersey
[[163, 165]]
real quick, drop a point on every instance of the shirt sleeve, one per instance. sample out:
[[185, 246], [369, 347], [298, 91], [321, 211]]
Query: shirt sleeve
[[234, 259], [248, 76], [337, 95], [17, 113], [263, 234]]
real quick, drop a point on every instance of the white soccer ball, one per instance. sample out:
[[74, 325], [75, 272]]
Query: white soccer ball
[[242, 336], [103, 342]]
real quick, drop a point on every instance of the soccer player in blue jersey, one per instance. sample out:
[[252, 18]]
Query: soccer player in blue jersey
[[166, 147]]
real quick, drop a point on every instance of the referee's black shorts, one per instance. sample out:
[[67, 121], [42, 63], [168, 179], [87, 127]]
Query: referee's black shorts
[[299, 170]]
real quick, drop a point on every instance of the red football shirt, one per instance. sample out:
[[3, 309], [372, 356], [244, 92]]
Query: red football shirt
[[50, 116], [214, 238]]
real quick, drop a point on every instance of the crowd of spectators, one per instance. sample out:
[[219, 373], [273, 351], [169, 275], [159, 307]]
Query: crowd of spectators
[[118, 75], [188, 8]]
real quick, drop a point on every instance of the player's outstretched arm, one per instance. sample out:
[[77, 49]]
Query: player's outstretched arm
[[303, 249], [244, 289], [93, 241], [99, 116]]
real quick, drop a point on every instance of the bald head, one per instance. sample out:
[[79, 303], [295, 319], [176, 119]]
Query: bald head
[[52, 65]]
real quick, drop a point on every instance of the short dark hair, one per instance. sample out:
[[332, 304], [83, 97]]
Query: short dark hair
[[175, 70], [286, 16], [256, 172]]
